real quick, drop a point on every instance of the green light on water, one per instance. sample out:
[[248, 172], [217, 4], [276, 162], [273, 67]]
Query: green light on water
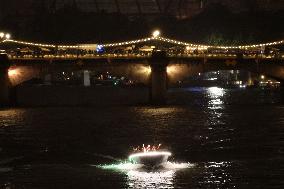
[[121, 166], [112, 166]]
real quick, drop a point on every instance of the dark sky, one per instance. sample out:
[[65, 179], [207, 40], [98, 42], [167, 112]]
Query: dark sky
[[226, 21], [184, 7]]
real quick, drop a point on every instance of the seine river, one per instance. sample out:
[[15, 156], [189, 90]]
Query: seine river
[[219, 138]]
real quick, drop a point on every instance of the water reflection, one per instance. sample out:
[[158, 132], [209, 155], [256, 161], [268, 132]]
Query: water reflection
[[216, 175], [251, 148], [139, 177], [5, 117], [215, 105], [215, 95], [159, 111]]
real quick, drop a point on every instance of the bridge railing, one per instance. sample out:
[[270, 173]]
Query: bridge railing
[[139, 48], [134, 55]]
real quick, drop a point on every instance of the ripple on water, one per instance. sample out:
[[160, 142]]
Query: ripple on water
[[234, 137]]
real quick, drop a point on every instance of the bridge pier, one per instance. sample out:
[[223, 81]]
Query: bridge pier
[[158, 81], [87, 81], [4, 80], [282, 91]]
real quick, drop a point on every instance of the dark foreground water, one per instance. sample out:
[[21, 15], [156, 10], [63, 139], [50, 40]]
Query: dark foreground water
[[229, 138]]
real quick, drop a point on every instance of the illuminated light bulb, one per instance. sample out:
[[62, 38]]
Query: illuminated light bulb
[[262, 76], [12, 72], [156, 33], [2, 35], [8, 36]]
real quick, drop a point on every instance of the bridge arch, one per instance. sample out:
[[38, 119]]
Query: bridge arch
[[180, 70]]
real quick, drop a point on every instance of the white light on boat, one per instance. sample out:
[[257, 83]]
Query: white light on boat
[[147, 154]]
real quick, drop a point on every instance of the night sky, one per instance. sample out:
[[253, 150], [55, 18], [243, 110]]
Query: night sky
[[213, 22]]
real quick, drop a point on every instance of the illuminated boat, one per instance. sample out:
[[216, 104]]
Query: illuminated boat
[[150, 158]]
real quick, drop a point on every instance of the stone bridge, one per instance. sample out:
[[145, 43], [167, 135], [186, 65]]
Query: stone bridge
[[157, 71]]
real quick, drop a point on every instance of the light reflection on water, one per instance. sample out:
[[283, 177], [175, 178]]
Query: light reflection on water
[[139, 177], [215, 104], [215, 95], [234, 139], [217, 175], [160, 111], [214, 174]]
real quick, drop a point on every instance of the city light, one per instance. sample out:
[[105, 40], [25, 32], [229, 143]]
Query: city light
[[156, 33], [262, 77], [4, 36], [155, 36], [172, 69], [12, 72], [8, 36], [145, 70]]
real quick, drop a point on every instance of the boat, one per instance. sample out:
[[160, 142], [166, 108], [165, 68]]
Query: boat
[[150, 158]]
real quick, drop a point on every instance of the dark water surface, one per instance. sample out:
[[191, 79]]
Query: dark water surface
[[233, 138]]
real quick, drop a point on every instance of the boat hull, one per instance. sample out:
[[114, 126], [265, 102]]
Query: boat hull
[[150, 159]]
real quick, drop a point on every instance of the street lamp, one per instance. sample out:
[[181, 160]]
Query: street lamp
[[262, 77], [4, 36], [8, 36], [156, 33]]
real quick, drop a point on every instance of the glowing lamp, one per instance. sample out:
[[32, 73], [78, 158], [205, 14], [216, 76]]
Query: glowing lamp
[[12, 72], [156, 33], [100, 49], [8, 36], [262, 76], [2, 35], [147, 70]]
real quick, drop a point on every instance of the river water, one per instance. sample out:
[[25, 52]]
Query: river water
[[219, 138]]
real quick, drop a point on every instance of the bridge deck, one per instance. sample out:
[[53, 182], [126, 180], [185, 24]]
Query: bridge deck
[[133, 58]]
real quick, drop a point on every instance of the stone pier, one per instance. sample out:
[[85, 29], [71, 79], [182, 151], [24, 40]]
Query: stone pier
[[281, 91], [4, 80], [158, 81], [87, 80]]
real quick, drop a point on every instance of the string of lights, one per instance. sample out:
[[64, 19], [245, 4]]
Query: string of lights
[[155, 37], [29, 43], [128, 42]]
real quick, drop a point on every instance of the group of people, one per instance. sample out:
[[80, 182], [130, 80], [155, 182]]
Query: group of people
[[147, 148]]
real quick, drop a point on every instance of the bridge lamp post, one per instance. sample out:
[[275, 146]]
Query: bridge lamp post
[[8, 36], [156, 33], [4, 36], [4, 79], [262, 77]]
